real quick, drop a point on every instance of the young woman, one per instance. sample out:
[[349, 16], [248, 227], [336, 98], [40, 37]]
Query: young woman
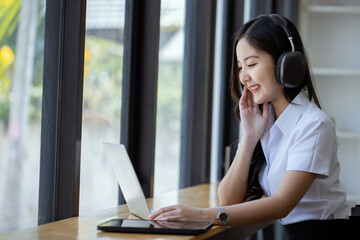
[[286, 166]]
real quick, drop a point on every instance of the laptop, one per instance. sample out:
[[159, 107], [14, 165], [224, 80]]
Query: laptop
[[136, 202], [127, 179]]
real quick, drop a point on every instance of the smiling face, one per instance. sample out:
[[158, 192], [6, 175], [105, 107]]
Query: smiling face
[[257, 73]]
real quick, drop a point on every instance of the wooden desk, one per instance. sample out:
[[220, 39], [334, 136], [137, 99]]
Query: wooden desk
[[85, 227]]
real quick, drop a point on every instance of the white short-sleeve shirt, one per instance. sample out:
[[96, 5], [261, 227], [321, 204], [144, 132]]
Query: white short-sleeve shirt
[[303, 138]]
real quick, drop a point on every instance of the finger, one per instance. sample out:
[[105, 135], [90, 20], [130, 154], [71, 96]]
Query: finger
[[154, 215], [265, 112], [158, 223], [243, 99], [250, 103], [168, 213], [247, 98], [250, 99], [161, 211], [171, 215]]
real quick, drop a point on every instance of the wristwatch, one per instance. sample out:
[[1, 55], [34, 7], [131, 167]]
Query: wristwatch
[[222, 217]]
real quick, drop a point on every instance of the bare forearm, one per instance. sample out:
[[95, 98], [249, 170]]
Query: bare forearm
[[256, 211], [233, 187], [253, 212], [290, 191]]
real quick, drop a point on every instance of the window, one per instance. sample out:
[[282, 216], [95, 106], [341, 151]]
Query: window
[[102, 102], [21, 70], [171, 49]]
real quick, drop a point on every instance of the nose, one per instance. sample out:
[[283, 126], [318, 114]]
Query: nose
[[244, 77]]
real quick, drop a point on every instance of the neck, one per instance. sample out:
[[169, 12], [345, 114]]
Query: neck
[[279, 106]]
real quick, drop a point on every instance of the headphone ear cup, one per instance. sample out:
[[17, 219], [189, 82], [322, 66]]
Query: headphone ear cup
[[290, 69], [279, 68]]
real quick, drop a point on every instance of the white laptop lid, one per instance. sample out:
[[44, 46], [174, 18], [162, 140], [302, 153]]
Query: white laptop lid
[[127, 179]]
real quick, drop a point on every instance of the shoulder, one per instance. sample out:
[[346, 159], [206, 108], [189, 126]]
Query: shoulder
[[310, 114], [315, 119], [315, 130], [314, 144]]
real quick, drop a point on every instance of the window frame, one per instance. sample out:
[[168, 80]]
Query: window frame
[[140, 78], [61, 110], [195, 153]]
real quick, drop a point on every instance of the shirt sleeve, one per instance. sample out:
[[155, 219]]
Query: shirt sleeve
[[313, 149]]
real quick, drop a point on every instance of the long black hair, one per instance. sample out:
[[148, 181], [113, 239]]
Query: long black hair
[[263, 34]]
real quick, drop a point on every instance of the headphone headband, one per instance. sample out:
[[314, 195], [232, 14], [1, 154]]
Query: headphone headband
[[281, 22]]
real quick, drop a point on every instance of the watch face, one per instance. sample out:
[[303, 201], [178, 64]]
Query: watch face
[[223, 217]]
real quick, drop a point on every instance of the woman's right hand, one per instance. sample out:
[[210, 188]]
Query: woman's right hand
[[254, 121]]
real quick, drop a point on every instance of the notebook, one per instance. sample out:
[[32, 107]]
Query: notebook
[[125, 174]]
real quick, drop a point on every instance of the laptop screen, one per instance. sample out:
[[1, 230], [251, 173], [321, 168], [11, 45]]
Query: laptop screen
[[125, 174]]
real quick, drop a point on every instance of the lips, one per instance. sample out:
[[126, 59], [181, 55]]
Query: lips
[[254, 88]]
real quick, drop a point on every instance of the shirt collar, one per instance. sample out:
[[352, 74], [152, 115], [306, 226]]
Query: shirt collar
[[291, 115]]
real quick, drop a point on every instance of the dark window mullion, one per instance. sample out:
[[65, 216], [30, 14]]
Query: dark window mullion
[[197, 92], [61, 110], [140, 73], [289, 9], [233, 18]]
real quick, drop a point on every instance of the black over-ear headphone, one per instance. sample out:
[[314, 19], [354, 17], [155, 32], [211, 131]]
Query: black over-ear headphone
[[290, 67]]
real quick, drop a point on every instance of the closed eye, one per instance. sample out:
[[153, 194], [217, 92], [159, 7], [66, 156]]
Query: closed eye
[[252, 65]]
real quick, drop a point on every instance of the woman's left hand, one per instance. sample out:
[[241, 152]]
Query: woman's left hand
[[179, 212]]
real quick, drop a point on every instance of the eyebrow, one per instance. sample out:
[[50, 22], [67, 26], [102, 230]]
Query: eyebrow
[[251, 56]]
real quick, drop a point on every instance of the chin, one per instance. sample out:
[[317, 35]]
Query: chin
[[261, 99], [258, 102]]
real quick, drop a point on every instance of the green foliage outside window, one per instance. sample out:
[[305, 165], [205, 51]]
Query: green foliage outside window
[[9, 18]]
